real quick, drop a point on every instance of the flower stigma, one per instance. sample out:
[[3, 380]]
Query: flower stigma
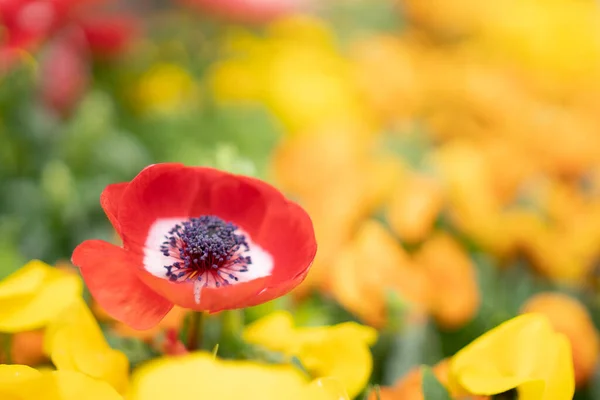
[[207, 251]]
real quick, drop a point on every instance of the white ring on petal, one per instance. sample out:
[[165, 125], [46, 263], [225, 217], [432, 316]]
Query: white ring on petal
[[155, 261]]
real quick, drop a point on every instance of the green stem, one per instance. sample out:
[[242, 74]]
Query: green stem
[[5, 348], [233, 323], [195, 331]]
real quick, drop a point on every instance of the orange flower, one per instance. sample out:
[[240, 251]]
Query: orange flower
[[371, 266], [414, 207], [27, 348], [566, 247], [303, 165], [468, 181], [570, 317], [457, 17], [409, 386], [454, 296], [339, 182], [476, 207]]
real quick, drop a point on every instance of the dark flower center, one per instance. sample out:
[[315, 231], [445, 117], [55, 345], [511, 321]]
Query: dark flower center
[[206, 249]]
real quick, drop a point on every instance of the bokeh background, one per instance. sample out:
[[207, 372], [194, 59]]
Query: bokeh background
[[448, 151]]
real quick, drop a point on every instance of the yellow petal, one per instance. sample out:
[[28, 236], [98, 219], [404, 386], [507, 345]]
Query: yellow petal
[[497, 348], [340, 352], [23, 281], [73, 385], [276, 329], [25, 383], [75, 342], [523, 353], [327, 388], [488, 380], [199, 376], [33, 296], [16, 373], [16, 379], [561, 380]]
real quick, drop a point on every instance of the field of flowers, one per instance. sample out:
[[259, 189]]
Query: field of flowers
[[299, 199]]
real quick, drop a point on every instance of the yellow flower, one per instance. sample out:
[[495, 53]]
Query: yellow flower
[[199, 375], [75, 342], [569, 316], [409, 387], [396, 59], [556, 40], [34, 295], [295, 70], [340, 351], [166, 88], [19, 382], [523, 353]]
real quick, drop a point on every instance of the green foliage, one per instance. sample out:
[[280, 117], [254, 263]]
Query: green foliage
[[432, 388]]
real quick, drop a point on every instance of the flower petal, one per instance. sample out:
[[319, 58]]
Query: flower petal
[[561, 377], [110, 199], [288, 235], [523, 352], [169, 378], [210, 299], [163, 191], [16, 373], [292, 252], [340, 352], [244, 201], [110, 273], [23, 307], [25, 383], [75, 342], [24, 281], [71, 385]]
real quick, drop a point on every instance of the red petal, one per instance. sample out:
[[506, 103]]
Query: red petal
[[228, 297], [109, 35], [243, 201], [287, 234], [251, 12], [279, 289], [64, 74], [110, 200], [109, 272], [163, 191], [174, 191], [293, 252]]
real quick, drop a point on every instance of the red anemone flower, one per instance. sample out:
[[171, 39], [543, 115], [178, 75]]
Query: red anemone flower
[[196, 237], [247, 11]]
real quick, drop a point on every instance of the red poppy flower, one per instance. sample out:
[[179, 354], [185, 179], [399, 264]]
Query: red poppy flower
[[26, 24], [196, 237], [247, 11]]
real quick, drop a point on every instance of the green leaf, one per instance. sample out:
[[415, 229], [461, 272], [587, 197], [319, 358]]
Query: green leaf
[[416, 344], [432, 388], [295, 361], [136, 350], [377, 390]]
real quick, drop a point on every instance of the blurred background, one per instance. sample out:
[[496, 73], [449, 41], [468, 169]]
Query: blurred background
[[448, 151]]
